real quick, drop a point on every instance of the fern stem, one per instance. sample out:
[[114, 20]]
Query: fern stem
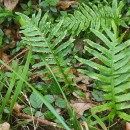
[[70, 110], [112, 81], [58, 64], [60, 68]]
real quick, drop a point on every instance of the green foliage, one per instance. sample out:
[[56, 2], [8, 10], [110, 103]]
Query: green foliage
[[113, 74], [98, 121], [51, 57], [49, 115], [48, 44], [14, 83], [28, 8], [39, 114], [50, 98], [35, 101], [29, 110], [41, 97], [60, 103], [128, 15], [5, 14], [1, 36], [98, 95], [94, 16], [48, 5], [49, 47]]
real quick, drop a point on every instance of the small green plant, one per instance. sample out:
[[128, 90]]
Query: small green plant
[[48, 5], [28, 8], [5, 15]]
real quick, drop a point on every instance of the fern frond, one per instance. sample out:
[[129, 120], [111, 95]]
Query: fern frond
[[46, 41], [93, 16], [113, 74]]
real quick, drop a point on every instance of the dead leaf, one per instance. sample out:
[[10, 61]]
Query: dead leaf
[[85, 125], [68, 72], [127, 126], [82, 87], [76, 95], [79, 108], [17, 108], [1, 1], [82, 78], [5, 126], [4, 57], [66, 4], [7, 32], [10, 4], [58, 110], [88, 95]]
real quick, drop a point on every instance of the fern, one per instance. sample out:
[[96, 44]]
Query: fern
[[113, 74], [48, 46], [93, 16], [47, 43]]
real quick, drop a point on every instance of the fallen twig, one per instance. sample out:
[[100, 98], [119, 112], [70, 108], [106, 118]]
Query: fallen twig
[[36, 118], [22, 52]]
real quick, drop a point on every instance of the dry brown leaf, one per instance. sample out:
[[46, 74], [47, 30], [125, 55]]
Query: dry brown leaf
[[4, 57], [82, 87], [84, 124], [68, 72], [17, 108], [66, 4], [7, 32], [88, 95], [1, 1], [81, 99], [5, 126], [58, 110], [82, 78], [76, 95], [10, 4], [79, 108], [127, 126]]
